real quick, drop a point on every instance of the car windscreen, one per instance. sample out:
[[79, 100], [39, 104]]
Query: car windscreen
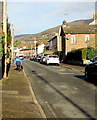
[[46, 54], [53, 56], [39, 56]]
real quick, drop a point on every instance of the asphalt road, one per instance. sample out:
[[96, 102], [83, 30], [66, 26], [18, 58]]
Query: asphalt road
[[62, 92]]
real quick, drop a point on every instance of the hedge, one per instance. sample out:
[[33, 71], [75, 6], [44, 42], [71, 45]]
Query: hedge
[[77, 56], [91, 52]]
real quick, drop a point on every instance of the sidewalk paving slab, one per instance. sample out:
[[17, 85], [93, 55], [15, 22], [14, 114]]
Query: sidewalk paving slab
[[17, 99]]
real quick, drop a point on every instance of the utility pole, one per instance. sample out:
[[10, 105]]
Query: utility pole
[[12, 44], [5, 33], [31, 49], [35, 44]]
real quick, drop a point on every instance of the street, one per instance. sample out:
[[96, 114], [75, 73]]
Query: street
[[62, 92]]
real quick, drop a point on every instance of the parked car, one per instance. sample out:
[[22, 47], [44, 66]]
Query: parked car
[[26, 57], [42, 59], [32, 57], [52, 59], [38, 57], [91, 68]]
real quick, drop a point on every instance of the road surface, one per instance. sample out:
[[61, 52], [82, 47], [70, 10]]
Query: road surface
[[62, 92]]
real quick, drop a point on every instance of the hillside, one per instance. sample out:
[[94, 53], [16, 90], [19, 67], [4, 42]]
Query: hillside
[[82, 22], [45, 35], [48, 34]]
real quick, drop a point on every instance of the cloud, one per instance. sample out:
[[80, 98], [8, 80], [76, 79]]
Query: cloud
[[35, 17], [71, 10]]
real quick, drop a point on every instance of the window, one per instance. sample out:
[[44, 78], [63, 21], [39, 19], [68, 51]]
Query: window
[[87, 37], [73, 39]]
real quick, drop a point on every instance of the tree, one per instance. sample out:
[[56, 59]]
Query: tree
[[64, 22], [17, 43], [8, 35]]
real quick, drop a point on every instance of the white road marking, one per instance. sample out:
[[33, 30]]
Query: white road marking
[[62, 70], [40, 74], [66, 73]]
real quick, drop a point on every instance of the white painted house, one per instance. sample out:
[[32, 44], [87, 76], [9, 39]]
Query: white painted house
[[94, 22], [40, 48]]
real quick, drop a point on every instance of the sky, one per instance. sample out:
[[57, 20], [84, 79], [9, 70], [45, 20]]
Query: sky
[[35, 16]]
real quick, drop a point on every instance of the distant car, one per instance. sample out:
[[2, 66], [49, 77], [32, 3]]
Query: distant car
[[91, 68], [38, 57], [26, 57], [32, 57], [42, 59], [52, 59], [35, 57]]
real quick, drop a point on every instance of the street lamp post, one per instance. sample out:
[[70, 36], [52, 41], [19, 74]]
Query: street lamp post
[[5, 32], [12, 44]]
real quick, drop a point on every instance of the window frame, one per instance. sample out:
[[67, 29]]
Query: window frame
[[73, 39]]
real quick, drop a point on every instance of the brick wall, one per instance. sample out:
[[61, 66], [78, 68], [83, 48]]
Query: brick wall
[[79, 41], [53, 44]]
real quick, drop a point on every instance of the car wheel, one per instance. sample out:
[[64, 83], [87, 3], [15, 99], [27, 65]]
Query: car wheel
[[57, 64], [47, 63]]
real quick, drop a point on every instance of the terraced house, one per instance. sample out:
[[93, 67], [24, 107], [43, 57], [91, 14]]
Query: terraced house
[[74, 36]]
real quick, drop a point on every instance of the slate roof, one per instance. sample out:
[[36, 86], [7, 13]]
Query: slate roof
[[80, 29]]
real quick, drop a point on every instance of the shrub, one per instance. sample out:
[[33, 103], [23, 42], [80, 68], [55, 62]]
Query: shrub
[[91, 52], [77, 56]]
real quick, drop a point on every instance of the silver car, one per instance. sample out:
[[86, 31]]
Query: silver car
[[42, 59]]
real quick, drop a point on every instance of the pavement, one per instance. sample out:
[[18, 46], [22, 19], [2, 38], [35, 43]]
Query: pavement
[[18, 98], [74, 67]]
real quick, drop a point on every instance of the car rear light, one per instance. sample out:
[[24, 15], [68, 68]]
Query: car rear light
[[47, 59], [59, 59]]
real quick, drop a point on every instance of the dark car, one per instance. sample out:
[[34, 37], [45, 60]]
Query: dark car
[[32, 57], [91, 68], [38, 57]]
